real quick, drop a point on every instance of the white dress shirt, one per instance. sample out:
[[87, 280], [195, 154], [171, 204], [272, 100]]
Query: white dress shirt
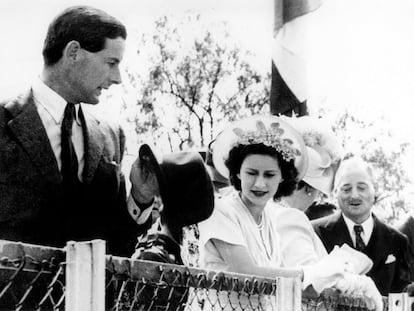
[[50, 107], [367, 225]]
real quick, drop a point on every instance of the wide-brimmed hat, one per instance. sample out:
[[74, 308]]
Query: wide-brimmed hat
[[269, 130], [184, 183], [324, 151], [321, 172]]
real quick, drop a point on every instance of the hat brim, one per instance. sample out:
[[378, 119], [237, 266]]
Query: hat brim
[[228, 139], [148, 159], [320, 174]]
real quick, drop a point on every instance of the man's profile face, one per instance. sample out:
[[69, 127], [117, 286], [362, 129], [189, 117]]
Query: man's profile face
[[98, 71], [355, 190]]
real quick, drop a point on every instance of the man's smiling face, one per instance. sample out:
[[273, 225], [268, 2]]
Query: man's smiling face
[[355, 190]]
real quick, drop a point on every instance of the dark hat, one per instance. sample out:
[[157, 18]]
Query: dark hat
[[185, 186]]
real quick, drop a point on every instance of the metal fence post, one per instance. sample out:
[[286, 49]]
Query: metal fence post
[[85, 276], [399, 302], [289, 294]]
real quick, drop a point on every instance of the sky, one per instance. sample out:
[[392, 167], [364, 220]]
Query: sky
[[360, 52]]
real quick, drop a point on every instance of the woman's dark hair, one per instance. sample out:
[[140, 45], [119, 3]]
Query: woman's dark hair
[[87, 25], [288, 169]]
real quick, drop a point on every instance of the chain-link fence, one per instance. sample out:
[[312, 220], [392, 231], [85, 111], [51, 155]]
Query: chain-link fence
[[82, 277], [143, 285], [31, 277]]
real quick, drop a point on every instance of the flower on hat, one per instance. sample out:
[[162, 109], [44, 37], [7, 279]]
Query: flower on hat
[[271, 137], [313, 138]]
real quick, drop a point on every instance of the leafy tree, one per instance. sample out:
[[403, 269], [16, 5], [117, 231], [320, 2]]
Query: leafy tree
[[198, 77]]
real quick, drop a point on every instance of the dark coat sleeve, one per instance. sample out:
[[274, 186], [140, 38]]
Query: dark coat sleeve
[[407, 228], [124, 231], [402, 271]]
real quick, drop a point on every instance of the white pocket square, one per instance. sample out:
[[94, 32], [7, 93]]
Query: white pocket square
[[390, 259]]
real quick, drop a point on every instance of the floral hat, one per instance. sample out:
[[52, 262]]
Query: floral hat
[[324, 151], [271, 131]]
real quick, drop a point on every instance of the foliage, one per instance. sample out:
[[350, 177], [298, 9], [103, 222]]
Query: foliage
[[198, 79]]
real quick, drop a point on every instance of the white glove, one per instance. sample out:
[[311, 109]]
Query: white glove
[[355, 261], [361, 285], [324, 273]]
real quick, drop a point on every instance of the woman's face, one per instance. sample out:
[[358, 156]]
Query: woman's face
[[260, 177]]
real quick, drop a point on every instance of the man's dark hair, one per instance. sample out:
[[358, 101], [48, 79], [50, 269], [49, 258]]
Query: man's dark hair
[[87, 25], [288, 169]]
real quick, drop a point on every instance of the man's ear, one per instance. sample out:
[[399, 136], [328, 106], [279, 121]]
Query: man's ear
[[72, 50]]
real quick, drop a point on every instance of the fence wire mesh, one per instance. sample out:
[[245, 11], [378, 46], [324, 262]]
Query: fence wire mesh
[[331, 299], [170, 287], [31, 278], [156, 286]]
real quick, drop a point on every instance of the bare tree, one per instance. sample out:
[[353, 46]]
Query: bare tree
[[197, 78]]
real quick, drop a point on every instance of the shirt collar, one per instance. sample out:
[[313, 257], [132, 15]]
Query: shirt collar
[[367, 225], [51, 101]]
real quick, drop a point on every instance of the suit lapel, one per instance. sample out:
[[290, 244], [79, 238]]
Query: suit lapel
[[30, 132], [336, 232], [377, 245], [94, 144]]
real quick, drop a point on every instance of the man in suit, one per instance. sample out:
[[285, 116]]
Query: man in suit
[[407, 227], [358, 227], [60, 173]]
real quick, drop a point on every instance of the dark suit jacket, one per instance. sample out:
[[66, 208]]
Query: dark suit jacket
[[32, 205], [407, 227], [385, 241]]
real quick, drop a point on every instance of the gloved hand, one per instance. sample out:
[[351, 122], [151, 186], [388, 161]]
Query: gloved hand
[[324, 273], [355, 261], [144, 180], [361, 285]]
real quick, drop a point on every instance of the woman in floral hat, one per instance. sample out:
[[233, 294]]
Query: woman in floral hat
[[263, 157], [299, 243]]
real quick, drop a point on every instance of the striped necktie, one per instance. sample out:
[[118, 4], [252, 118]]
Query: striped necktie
[[359, 242]]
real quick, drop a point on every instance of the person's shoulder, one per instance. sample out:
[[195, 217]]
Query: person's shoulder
[[15, 103], [225, 207], [406, 226], [395, 234], [284, 213], [288, 218], [326, 221], [110, 127]]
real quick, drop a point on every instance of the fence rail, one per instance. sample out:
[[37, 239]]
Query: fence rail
[[82, 277]]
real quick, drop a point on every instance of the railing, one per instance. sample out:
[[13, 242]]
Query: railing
[[82, 277]]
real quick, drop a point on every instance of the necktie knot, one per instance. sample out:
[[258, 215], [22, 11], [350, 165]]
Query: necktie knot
[[358, 229]]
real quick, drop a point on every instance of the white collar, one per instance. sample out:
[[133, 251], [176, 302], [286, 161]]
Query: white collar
[[51, 101], [367, 225]]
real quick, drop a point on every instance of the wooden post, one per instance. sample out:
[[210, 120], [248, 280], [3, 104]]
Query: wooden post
[[289, 294], [399, 302], [85, 276]]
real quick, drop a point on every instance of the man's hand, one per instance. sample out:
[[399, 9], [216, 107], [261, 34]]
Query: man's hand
[[144, 181]]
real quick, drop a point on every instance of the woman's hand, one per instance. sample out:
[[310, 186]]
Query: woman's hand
[[361, 285]]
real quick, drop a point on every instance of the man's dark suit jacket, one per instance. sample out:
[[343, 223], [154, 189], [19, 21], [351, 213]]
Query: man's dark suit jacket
[[407, 227], [385, 244], [32, 205]]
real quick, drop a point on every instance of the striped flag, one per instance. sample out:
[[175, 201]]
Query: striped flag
[[289, 87]]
